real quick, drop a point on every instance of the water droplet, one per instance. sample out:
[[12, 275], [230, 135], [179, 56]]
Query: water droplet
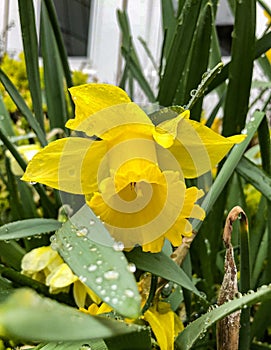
[[252, 119], [99, 280], [99, 262], [82, 231], [33, 182], [92, 222], [111, 275], [244, 131], [72, 172], [193, 92], [103, 292], [93, 249], [245, 306], [129, 293], [107, 299], [114, 287], [85, 347], [115, 301], [131, 267], [92, 267], [118, 246]]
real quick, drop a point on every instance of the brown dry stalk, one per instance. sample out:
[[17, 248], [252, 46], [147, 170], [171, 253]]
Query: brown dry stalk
[[227, 331]]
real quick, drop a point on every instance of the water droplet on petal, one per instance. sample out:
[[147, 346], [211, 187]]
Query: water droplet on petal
[[92, 222], [107, 299], [33, 182]]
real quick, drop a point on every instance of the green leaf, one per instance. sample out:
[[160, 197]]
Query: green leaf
[[161, 265], [138, 75], [261, 46], [88, 249], [243, 48], [255, 176], [27, 316], [91, 344], [179, 52], [198, 63], [59, 40], [229, 166], [169, 24], [53, 74], [28, 228], [6, 123], [199, 327], [31, 52], [22, 106]]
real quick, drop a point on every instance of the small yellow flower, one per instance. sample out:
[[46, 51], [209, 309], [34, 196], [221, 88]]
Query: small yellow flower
[[131, 171], [46, 266]]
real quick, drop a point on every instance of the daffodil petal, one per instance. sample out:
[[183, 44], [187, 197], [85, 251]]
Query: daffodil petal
[[92, 98], [60, 278], [197, 148], [79, 293], [37, 259], [116, 122], [69, 164], [162, 321]]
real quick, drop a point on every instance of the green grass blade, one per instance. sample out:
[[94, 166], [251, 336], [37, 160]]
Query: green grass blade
[[11, 254], [90, 254], [28, 228], [254, 175], [161, 265], [198, 63], [229, 166], [48, 206], [31, 51], [261, 46], [6, 123], [265, 147], [137, 74], [243, 48], [179, 52], [21, 105], [245, 282], [53, 74], [199, 327], [169, 22], [59, 40], [27, 316]]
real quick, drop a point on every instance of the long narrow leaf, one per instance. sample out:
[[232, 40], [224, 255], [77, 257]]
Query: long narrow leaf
[[23, 108], [198, 328], [31, 51], [53, 74], [179, 52]]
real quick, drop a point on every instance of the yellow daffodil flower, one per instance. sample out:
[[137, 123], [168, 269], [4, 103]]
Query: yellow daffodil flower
[[131, 171], [44, 264]]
